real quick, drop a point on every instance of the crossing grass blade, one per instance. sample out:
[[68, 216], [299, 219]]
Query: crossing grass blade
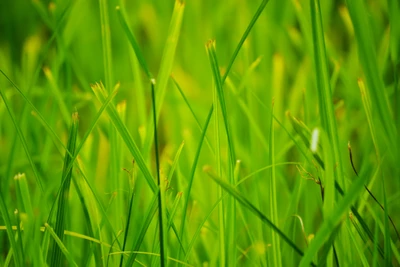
[[242, 200], [101, 95], [22, 138], [273, 205], [61, 246], [148, 217], [333, 220], [63, 198]]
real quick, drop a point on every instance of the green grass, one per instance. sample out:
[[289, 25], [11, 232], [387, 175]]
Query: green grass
[[210, 133]]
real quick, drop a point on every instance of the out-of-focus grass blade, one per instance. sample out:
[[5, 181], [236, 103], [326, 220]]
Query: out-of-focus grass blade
[[167, 62], [332, 222], [22, 138], [273, 205], [30, 223], [175, 162], [169, 53], [63, 198], [387, 239], [61, 246], [133, 42], [6, 218], [192, 173], [324, 89], [242, 200], [106, 42], [368, 60], [192, 111]]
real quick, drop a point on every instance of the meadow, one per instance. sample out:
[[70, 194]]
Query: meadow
[[199, 133]]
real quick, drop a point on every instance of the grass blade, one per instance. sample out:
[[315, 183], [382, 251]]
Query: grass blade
[[63, 198], [334, 219], [101, 95], [324, 89], [161, 209], [242, 200], [368, 60], [60, 245], [22, 138]]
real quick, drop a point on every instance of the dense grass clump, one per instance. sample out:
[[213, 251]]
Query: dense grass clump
[[199, 133]]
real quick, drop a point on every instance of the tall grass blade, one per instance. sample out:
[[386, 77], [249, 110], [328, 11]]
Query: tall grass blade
[[63, 198], [101, 95], [324, 89], [368, 60], [161, 208]]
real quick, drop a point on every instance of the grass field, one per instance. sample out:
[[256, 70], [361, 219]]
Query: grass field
[[199, 133]]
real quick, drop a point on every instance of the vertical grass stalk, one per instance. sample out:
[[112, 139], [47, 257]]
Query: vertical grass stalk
[[63, 198]]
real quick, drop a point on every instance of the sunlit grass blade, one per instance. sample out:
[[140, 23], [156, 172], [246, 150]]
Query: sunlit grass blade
[[333, 220], [210, 47], [61, 246], [63, 198]]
